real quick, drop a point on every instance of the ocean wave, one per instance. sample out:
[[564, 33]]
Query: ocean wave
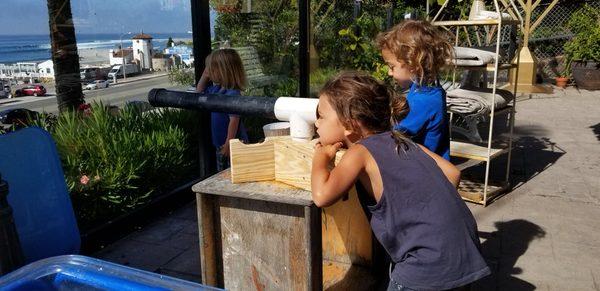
[[24, 48]]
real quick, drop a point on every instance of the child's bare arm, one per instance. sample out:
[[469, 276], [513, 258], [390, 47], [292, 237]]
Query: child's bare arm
[[232, 129], [451, 172], [203, 82], [328, 187]]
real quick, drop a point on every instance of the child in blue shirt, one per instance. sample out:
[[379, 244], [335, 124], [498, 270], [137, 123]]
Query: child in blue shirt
[[415, 52], [224, 74]]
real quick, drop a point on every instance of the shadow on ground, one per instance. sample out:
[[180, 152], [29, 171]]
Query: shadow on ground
[[596, 130], [501, 250], [531, 156]]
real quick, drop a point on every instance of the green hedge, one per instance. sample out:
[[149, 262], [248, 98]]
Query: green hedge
[[115, 162]]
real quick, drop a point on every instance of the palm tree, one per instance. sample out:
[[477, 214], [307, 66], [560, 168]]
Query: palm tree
[[64, 55]]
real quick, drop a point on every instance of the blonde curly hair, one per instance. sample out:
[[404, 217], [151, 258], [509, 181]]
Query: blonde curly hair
[[420, 46]]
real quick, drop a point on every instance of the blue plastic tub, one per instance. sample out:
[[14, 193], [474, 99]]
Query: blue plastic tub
[[74, 272]]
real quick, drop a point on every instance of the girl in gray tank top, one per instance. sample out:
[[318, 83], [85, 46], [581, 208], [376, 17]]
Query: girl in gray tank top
[[415, 211]]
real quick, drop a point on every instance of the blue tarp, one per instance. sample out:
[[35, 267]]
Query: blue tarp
[[38, 194]]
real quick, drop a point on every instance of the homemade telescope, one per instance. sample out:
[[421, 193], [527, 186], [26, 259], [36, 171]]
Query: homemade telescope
[[300, 112]]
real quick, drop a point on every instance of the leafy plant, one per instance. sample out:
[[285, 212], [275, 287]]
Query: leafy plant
[[357, 41], [585, 45], [181, 76], [116, 161]]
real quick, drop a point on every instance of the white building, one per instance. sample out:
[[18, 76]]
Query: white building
[[183, 53], [46, 69], [142, 50], [117, 57]]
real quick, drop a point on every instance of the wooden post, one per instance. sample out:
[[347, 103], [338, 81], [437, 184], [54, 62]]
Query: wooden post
[[526, 78]]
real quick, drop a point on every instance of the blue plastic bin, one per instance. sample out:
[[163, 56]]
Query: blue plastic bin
[[73, 272], [38, 194]]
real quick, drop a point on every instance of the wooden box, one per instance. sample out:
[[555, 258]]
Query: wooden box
[[278, 159], [257, 233]]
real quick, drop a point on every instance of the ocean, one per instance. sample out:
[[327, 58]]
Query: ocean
[[36, 48]]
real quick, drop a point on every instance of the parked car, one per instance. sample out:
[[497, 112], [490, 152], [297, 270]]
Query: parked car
[[31, 90], [97, 85], [18, 117], [4, 89]]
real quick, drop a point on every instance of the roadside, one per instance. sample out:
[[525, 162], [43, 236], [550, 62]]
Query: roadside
[[133, 88]]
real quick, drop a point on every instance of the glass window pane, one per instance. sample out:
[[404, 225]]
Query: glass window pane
[[343, 35], [265, 34]]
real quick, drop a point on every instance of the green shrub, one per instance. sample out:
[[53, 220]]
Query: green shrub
[[115, 162], [585, 46], [182, 76]]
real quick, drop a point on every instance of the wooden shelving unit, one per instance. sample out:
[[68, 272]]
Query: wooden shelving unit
[[484, 191]]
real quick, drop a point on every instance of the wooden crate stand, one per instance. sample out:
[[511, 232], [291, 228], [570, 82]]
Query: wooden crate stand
[[259, 233]]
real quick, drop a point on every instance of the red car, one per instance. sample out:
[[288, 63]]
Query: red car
[[31, 90]]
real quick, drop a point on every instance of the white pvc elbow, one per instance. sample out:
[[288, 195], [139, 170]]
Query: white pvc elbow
[[301, 113]]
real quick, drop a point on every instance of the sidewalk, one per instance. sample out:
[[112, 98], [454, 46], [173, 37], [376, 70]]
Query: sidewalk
[[140, 77], [544, 234]]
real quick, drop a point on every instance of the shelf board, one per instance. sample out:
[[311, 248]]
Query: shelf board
[[489, 67], [508, 108], [475, 22], [472, 151], [472, 191]]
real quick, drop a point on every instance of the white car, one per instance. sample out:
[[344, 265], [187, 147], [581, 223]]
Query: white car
[[97, 85]]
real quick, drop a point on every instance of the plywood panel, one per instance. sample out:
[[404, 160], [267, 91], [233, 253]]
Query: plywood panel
[[293, 162], [346, 232], [252, 162], [264, 245]]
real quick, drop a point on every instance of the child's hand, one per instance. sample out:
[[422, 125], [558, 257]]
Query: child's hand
[[327, 151], [225, 149]]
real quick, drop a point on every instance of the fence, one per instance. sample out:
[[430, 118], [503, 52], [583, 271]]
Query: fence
[[547, 41]]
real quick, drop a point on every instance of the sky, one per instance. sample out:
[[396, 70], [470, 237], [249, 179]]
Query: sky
[[18, 17]]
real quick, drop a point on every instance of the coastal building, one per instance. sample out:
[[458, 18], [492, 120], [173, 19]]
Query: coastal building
[[182, 53], [46, 69], [161, 62], [120, 56], [21, 70], [142, 50]]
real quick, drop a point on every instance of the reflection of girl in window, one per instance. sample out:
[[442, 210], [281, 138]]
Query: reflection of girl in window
[[224, 74]]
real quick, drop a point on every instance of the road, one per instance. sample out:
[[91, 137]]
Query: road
[[116, 94]]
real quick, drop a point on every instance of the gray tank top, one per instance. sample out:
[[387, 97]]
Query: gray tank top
[[421, 221]]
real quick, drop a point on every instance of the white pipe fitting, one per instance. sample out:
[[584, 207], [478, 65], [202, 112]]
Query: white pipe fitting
[[301, 113]]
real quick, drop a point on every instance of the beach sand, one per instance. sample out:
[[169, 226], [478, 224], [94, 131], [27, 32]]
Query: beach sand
[[94, 56]]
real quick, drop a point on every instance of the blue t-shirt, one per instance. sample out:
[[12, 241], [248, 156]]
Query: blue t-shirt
[[219, 121], [427, 122]]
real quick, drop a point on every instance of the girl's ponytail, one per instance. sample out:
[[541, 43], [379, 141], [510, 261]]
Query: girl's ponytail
[[399, 109]]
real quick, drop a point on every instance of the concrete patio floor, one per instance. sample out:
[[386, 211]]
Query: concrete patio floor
[[544, 234]]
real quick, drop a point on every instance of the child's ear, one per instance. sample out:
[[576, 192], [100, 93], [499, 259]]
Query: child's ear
[[351, 130]]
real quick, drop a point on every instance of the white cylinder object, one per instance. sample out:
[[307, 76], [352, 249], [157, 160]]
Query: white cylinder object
[[276, 129], [300, 112]]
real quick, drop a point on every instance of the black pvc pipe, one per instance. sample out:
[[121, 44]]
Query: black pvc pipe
[[243, 105]]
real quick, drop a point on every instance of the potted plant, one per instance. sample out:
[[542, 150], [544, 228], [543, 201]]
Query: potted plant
[[562, 79], [582, 52]]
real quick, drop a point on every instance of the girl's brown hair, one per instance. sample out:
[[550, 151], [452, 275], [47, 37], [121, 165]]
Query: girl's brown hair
[[420, 46], [225, 67], [359, 97]]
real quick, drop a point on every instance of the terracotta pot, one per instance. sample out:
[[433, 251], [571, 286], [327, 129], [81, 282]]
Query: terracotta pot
[[562, 82], [587, 75]]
